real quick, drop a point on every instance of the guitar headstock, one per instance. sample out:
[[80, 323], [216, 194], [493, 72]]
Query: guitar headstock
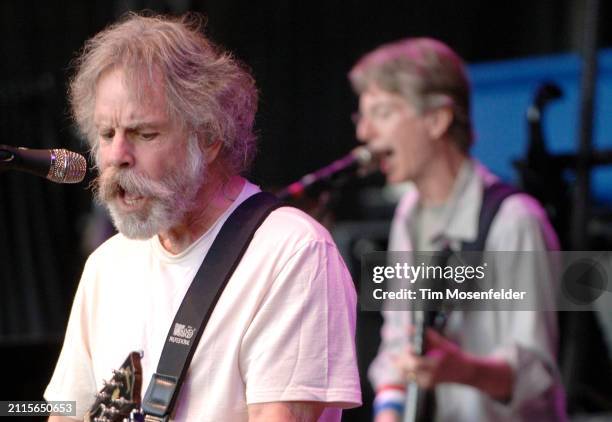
[[120, 395]]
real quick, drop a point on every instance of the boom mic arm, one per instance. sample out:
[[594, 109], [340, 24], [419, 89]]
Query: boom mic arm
[[360, 160]]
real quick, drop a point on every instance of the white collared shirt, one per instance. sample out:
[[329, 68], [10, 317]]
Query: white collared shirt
[[526, 339]]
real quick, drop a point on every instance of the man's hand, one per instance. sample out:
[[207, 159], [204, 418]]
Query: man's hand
[[444, 362], [291, 411]]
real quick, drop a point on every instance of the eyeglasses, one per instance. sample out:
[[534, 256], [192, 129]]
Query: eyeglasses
[[378, 113]]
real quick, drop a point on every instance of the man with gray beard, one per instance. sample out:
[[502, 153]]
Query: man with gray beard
[[169, 118]]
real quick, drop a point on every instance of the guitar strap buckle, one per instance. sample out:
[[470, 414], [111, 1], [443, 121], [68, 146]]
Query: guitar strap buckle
[[157, 401]]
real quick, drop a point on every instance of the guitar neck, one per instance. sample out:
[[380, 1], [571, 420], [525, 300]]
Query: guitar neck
[[418, 405]]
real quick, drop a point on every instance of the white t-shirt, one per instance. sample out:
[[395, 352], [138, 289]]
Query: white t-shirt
[[283, 329]]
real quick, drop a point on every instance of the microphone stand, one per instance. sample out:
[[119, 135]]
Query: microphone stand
[[321, 200], [325, 183]]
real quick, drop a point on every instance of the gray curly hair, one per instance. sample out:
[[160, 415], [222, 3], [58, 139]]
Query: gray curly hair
[[207, 91]]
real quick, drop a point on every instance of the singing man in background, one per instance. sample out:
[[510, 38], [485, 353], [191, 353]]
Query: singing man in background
[[414, 112], [169, 117]]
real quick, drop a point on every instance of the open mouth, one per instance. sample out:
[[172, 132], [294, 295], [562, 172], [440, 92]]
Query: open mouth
[[384, 157], [130, 199]]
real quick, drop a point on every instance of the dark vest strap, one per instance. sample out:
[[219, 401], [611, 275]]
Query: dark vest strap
[[492, 198], [200, 300]]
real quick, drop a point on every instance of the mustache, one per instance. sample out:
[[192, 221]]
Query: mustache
[[114, 181]]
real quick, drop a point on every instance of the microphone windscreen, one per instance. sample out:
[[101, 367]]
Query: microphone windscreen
[[67, 166]]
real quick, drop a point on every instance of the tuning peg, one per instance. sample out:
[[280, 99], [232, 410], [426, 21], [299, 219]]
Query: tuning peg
[[113, 383], [111, 411], [102, 395], [120, 402], [102, 419], [119, 373]]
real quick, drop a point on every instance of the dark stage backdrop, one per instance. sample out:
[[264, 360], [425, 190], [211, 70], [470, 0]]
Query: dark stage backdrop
[[300, 53]]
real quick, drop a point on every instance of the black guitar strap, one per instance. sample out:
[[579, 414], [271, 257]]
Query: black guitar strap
[[199, 302]]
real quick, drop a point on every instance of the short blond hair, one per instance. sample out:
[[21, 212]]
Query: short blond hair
[[427, 73], [207, 91]]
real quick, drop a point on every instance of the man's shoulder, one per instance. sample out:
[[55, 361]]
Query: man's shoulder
[[291, 224], [522, 224], [290, 242], [520, 207]]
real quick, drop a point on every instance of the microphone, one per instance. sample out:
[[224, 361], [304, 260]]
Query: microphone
[[57, 165], [360, 159]]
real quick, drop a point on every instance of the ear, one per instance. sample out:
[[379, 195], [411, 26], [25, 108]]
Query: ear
[[211, 150], [438, 121]]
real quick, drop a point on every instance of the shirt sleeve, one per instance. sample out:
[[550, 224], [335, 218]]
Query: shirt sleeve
[[394, 340], [382, 373], [531, 337], [73, 378], [300, 344]]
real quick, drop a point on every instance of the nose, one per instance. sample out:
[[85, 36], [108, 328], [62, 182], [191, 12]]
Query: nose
[[364, 130], [120, 151]]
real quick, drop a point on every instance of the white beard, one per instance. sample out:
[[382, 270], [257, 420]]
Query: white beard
[[168, 200]]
